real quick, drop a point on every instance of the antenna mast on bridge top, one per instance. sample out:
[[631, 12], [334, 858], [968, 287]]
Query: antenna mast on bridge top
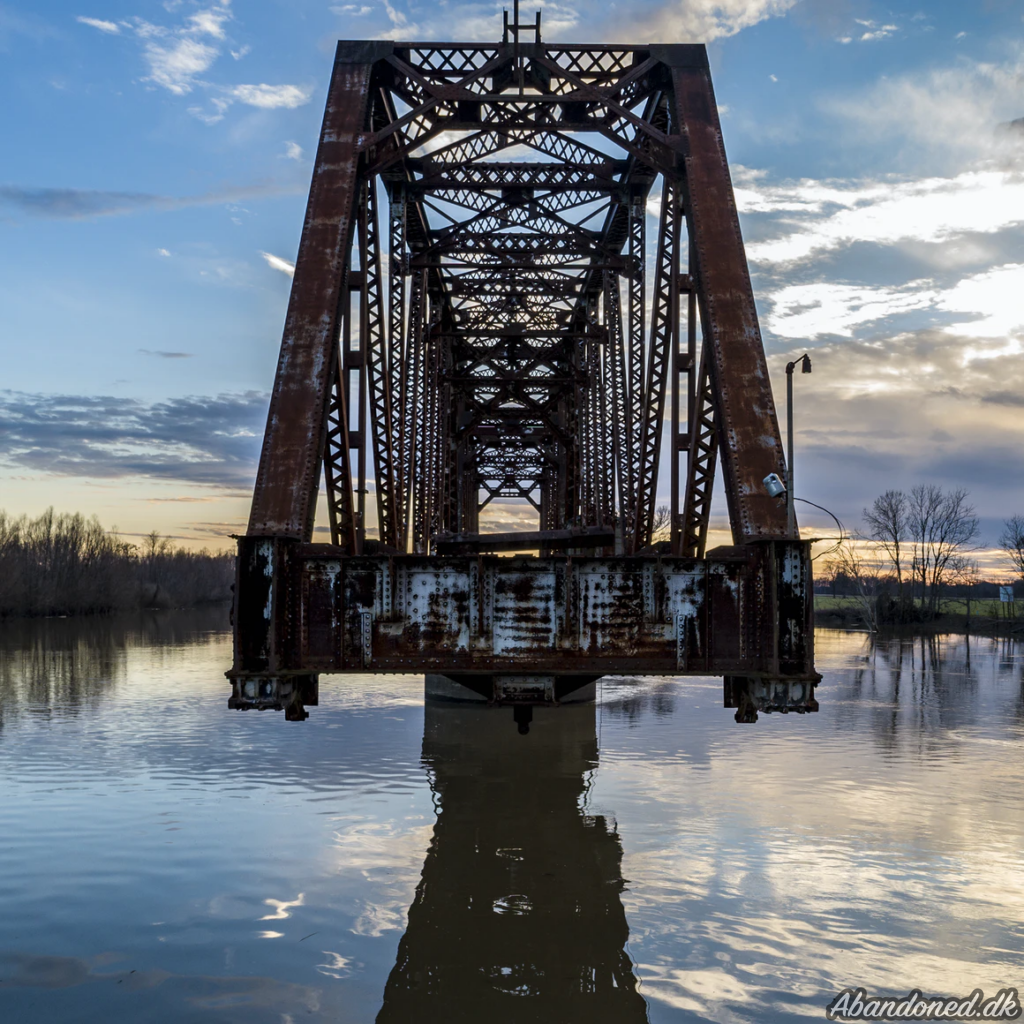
[[515, 27]]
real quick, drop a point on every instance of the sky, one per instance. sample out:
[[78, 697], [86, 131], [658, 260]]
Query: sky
[[153, 177]]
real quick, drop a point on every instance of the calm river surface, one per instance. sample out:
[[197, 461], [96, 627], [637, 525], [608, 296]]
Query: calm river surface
[[641, 859]]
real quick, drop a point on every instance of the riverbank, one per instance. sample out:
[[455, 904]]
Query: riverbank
[[58, 565], [986, 618]]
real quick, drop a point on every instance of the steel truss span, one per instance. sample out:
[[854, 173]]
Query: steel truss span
[[478, 313]]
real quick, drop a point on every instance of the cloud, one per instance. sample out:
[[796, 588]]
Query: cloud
[[79, 204], [910, 406], [271, 97], [179, 56], [939, 118], [176, 56], [396, 17], [175, 67], [293, 151], [829, 17], [205, 440], [827, 215], [209, 22], [266, 97], [73, 203], [1004, 397], [829, 307], [873, 31], [278, 264], [906, 291], [110, 27], [983, 306], [167, 355], [698, 20], [995, 298]]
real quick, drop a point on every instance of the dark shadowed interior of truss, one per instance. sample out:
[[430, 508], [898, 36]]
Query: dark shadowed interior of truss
[[521, 362]]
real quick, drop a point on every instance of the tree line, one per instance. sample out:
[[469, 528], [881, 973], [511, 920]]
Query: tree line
[[920, 547], [66, 564]]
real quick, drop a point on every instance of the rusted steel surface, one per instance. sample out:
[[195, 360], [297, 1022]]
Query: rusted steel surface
[[744, 611], [749, 440], [526, 540], [508, 356], [287, 480]]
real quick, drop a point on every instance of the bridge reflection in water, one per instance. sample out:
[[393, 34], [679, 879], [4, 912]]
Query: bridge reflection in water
[[517, 916]]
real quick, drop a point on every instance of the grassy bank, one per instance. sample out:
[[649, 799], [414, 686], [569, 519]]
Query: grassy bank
[[984, 616], [70, 565]]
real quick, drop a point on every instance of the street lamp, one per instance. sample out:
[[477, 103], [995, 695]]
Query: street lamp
[[805, 361]]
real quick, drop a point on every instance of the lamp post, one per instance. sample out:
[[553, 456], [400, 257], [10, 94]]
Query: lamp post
[[805, 361]]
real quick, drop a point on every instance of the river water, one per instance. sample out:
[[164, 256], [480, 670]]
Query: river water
[[643, 858]]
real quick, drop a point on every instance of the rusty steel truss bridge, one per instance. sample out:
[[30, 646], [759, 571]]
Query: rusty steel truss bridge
[[478, 313]]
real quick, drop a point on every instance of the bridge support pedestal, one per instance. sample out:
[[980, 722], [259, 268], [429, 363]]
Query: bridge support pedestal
[[509, 689]]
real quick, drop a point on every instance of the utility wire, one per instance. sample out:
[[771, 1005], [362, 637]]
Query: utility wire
[[842, 529]]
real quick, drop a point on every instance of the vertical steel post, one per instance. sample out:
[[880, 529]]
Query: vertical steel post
[[664, 334], [790, 510], [398, 359], [674, 373]]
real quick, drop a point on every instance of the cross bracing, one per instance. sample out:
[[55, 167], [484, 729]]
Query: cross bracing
[[509, 321]]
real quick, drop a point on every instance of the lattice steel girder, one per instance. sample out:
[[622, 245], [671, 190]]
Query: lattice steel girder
[[546, 177]]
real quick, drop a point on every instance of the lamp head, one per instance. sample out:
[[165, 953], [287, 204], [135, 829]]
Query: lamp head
[[805, 364]]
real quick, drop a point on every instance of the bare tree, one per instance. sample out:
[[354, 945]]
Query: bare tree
[[153, 545], [67, 564], [855, 565], [963, 571], [1012, 542], [922, 511], [662, 525], [956, 526], [830, 574], [888, 521], [942, 525]]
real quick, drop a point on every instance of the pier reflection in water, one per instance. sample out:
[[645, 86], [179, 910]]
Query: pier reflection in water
[[164, 860], [518, 914]]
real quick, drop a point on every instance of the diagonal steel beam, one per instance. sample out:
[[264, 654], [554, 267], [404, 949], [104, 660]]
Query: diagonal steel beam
[[700, 477], [748, 429], [284, 499]]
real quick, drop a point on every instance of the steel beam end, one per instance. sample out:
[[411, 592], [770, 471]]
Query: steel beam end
[[749, 696], [288, 693]]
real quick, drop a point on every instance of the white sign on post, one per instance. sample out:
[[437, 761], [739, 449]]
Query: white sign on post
[[1006, 594]]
